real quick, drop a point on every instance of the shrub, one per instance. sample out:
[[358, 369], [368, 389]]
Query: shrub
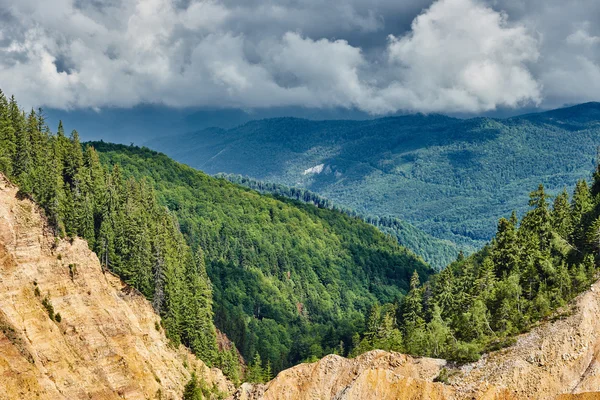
[[443, 376], [72, 270], [49, 308]]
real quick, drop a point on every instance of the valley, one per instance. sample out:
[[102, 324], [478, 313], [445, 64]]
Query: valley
[[451, 178], [249, 288]]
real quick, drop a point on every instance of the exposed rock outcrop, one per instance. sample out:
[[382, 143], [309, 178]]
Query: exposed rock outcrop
[[107, 343], [373, 375], [559, 359]]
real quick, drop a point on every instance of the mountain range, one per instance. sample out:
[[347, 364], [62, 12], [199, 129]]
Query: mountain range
[[451, 178]]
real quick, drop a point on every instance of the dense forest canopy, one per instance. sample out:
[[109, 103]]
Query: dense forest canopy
[[479, 303], [452, 178], [436, 252], [291, 281]]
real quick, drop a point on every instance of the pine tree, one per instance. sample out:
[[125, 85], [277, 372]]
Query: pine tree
[[412, 307], [229, 364], [561, 215], [7, 136], [255, 372], [538, 220], [412, 318], [486, 280], [438, 333], [198, 331], [593, 236], [192, 391], [22, 143], [444, 292], [581, 206], [268, 372]]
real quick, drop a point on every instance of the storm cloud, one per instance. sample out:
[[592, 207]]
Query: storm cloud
[[378, 56]]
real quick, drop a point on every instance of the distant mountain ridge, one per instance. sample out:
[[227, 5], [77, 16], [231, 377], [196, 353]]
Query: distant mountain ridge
[[450, 177]]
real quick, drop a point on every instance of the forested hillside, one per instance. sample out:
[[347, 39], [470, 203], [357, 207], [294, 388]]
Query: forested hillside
[[121, 219], [291, 281], [531, 267], [436, 252], [451, 178]]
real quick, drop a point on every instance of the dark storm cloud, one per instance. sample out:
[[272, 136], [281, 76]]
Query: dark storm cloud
[[378, 56]]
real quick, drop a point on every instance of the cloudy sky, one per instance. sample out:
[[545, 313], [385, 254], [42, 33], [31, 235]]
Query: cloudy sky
[[376, 56]]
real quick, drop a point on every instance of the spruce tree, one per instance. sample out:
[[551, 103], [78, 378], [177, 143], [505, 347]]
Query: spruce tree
[[192, 390], [581, 206], [561, 215], [438, 333], [7, 136], [538, 220]]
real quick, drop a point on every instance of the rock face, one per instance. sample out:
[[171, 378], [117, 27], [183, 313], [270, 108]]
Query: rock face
[[373, 375], [556, 360], [108, 343]]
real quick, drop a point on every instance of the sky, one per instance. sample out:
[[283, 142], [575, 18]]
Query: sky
[[376, 57]]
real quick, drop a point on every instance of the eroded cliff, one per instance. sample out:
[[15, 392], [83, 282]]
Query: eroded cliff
[[107, 342], [558, 359]]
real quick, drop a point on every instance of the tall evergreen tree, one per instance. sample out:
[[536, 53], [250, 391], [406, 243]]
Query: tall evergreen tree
[[561, 215], [581, 206], [7, 136], [506, 252]]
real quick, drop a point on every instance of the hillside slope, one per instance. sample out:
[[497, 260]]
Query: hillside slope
[[558, 359], [290, 281], [107, 342], [436, 252], [451, 178]]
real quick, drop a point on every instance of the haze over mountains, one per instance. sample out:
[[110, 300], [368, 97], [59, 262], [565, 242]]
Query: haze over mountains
[[452, 178]]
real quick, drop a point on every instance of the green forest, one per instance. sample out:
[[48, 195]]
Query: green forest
[[479, 303], [436, 252], [451, 178], [293, 279]]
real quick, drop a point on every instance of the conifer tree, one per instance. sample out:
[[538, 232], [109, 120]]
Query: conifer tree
[[192, 391], [438, 333], [561, 215], [7, 136], [593, 236], [255, 372], [581, 206], [412, 307], [538, 221]]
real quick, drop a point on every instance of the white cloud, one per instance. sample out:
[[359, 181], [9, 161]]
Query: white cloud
[[464, 56], [458, 55], [582, 37], [204, 15]]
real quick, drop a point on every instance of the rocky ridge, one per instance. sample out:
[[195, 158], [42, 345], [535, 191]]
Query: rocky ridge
[[559, 359], [107, 342]]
